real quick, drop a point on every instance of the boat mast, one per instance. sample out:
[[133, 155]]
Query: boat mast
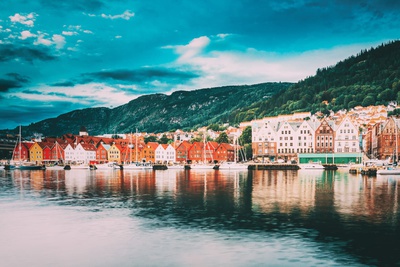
[[130, 148], [19, 144], [136, 148], [395, 149]]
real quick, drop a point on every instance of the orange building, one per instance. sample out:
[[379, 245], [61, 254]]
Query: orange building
[[149, 151]]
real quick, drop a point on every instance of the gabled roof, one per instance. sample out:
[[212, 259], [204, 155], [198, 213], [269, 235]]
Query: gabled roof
[[185, 145], [152, 145], [88, 147], [105, 146], [225, 146], [212, 145]]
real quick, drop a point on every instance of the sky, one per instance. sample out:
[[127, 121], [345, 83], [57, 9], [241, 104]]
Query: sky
[[59, 56]]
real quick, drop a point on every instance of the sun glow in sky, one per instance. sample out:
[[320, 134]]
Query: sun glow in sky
[[57, 56]]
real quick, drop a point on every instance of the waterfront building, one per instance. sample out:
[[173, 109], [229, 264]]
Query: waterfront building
[[89, 153], [149, 154], [388, 146], [182, 152], [264, 139], [36, 152], [102, 153], [224, 153], [324, 136], [165, 154], [24, 148], [114, 153], [286, 140], [346, 137]]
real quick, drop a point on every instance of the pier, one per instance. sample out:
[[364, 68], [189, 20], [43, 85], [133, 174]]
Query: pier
[[274, 167]]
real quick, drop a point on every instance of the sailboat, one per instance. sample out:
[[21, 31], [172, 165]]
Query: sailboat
[[135, 165], [57, 166], [20, 165], [235, 165], [392, 170], [204, 165]]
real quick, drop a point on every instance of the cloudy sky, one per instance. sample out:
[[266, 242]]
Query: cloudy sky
[[57, 56]]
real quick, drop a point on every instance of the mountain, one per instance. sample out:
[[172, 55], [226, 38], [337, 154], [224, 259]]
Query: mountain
[[370, 78], [160, 113]]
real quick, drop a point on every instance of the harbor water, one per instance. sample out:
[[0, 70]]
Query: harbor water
[[198, 218]]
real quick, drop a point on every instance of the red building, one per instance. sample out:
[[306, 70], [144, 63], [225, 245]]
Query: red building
[[224, 152], [182, 152], [24, 149]]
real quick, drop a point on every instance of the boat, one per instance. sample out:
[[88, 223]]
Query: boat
[[105, 166], [389, 171], [76, 167], [55, 167], [22, 165], [59, 164], [204, 165], [312, 166], [235, 165], [136, 166], [176, 167]]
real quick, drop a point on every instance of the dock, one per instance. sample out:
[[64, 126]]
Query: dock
[[274, 167]]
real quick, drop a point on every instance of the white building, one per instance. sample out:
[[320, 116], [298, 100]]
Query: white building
[[165, 154], [346, 137], [69, 154]]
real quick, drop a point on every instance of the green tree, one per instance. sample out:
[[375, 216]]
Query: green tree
[[246, 137], [222, 138], [150, 138], [214, 127], [368, 101], [164, 139]]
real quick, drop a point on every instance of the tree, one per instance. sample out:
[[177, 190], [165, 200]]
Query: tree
[[150, 138], [164, 139], [368, 101], [214, 127], [246, 137], [222, 138]]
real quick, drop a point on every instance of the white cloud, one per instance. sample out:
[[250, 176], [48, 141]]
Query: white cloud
[[80, 94], [126, 15], [42, 41], [27, 20], [69, 33], [26, 34], [88, 32], [192, 49], [252, 66], [58, 40]]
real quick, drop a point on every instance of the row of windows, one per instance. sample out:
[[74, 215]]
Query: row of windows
[[348, 131]]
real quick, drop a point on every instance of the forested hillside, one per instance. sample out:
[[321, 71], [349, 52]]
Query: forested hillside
[[370, 78], [160, 113]]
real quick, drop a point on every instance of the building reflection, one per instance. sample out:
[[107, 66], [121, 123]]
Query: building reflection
[[374, 199]]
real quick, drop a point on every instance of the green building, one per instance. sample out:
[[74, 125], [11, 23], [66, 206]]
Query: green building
[[331, 158]]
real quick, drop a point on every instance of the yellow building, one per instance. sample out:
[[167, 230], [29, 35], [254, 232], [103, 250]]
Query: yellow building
[[36, 153], [114, 153]]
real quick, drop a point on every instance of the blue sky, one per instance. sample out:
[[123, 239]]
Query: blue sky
[[58, 56]]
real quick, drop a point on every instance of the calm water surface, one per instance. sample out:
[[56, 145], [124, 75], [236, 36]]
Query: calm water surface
[[198, 218]]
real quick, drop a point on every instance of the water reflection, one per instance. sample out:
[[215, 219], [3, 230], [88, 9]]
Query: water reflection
[[348, 216]]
